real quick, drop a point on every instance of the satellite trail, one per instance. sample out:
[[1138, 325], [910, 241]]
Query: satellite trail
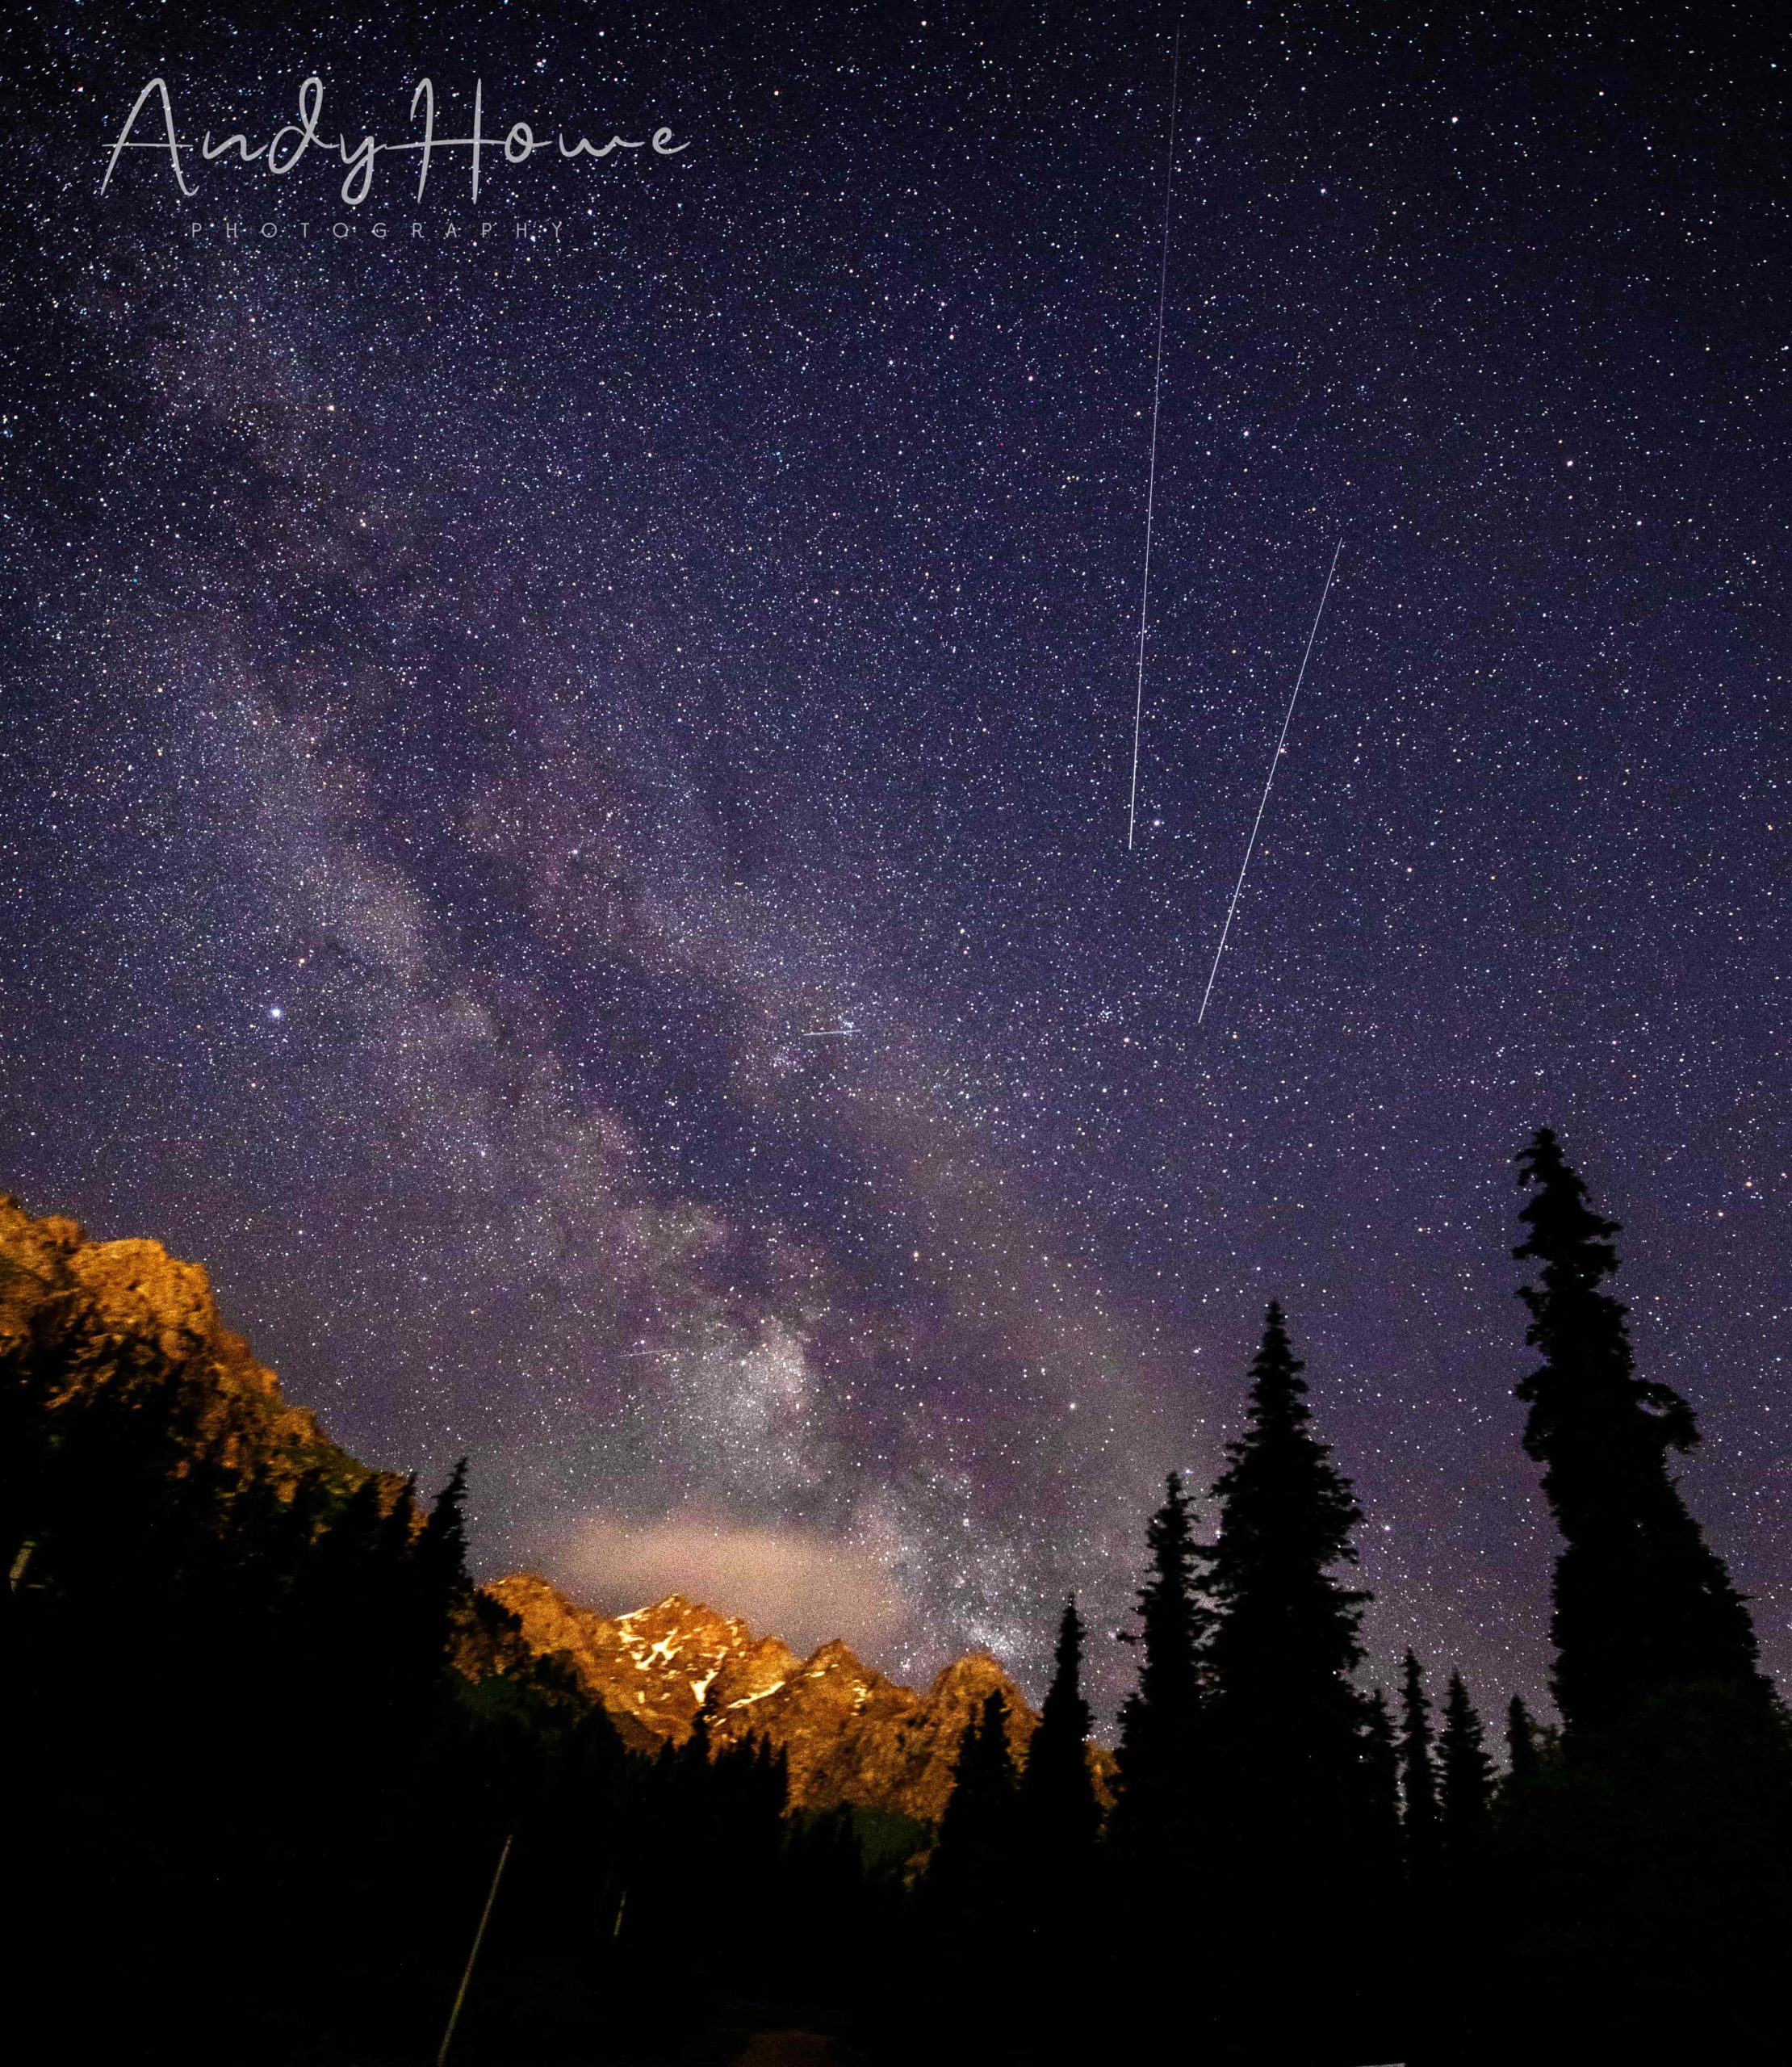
[[1151, 478], [1250, 844]]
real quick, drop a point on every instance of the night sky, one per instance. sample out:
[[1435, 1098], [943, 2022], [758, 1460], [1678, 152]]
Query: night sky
[[482, 718]]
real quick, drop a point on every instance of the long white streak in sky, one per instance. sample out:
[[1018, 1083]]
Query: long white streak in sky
[[1151, 478], [1250, 844]]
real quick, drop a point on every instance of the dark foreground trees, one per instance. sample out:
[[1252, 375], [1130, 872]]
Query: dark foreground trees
[[1290, 1759], [265, 1744], [1642, 1603], [1646, 1862], [1151, 1892], [1625, 1891], [1060, 1815]]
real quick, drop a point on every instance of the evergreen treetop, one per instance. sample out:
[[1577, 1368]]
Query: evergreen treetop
[[1291, 1783], [983, 1778], [1285, 1627], [972, 1862], [1642, 1603], [1418, 1782], [441, 1545], [1520, 1741], [1468, 1776], [1058, 1791], [1158, 1721], [1381, 1779], [1172, 1619]]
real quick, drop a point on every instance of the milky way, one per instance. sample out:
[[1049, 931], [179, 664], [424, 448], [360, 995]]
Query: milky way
[[476, 706]]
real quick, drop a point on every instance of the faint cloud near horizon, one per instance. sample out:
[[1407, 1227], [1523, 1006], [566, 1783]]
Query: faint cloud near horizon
[[782, 1582]]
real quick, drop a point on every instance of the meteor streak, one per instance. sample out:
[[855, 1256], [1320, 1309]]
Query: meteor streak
[[1281, 745], [1151, 477]]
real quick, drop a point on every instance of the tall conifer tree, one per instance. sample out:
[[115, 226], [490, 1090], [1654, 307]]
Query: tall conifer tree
[[1642, 1603], [1058, 1790], [1159, 1720], [1468, 1776], [1285, 1635], [969, 1908], [1287, 1776], [441, 1544], [1381, 1773], [971, 1872], [1419, 1779], [1520, 1741], [1060, 1824], [1152, 1851], [1659, 1897]]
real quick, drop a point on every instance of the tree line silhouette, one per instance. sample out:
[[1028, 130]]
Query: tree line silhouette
[[269, 1743]]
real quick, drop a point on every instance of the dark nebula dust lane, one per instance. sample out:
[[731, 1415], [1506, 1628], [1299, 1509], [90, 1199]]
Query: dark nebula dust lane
[[566, 803]]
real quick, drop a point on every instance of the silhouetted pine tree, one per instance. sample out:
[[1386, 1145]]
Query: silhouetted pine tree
[[1419, 1779], [438, 1593], [1641, 1602], [1158, 1723], [441, 1555], [1285, 1774], [1449, 1919], [1057, 1795], [1378, 2022], [1060, 1821], [979, 1820], [1379, 2025], [1521, 1743], [1652, 1897], [1468, 1776], [968, 1897], [1285, 1719], [1151, 1857], [1381, 1765]]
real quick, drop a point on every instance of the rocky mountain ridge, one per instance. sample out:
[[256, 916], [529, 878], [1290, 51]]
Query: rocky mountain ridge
[[851, 1736], [82, 1315], [94, 1312]]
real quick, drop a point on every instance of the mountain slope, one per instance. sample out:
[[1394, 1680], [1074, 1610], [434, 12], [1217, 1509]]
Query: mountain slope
[[80, 1318], [76, 1313], [851, 1736]]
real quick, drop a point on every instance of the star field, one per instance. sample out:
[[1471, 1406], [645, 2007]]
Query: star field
[[566, 818]]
